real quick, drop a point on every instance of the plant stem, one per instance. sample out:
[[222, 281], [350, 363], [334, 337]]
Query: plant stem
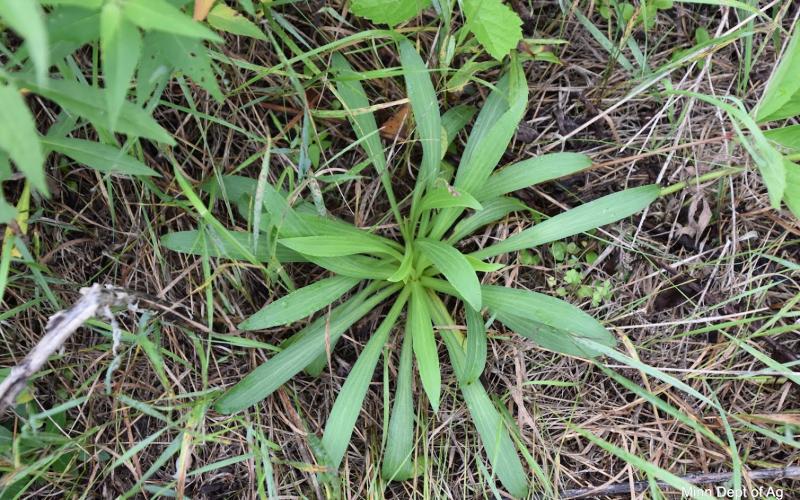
[[710, 176]]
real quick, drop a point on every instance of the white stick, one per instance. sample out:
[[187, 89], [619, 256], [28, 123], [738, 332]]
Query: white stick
[[61, 325]]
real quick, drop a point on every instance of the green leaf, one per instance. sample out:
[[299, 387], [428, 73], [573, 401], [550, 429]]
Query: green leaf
[[448, 197], [90, 102], [455, 267], [227, 19], [7, 211], [493, 210], [787, 137], [342, 420], [791, 195], [495, 25], [101, 157], [488, 421], [483, 267], [391, 12], [307, 346], [86, 4], [27, 19], [185, 54], [398, 455], [299, 304], [357, 266], [160, 15], [419, 327], [784, 83], [454, 120], [337, 246], [588, 216], [213, 245], [552, 323], [19, 138], [531, 172], [475, 355], [425, 108], [120, 44]]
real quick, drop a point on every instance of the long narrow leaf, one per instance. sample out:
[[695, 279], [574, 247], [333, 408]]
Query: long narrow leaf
[[420, 329], [344, 414], [455, 267], [299, 304], [397, 457], [588, 216], [475, 356], [309, 344], [531, 172]]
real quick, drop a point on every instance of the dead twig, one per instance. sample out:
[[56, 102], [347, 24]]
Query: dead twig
[[95, 300]]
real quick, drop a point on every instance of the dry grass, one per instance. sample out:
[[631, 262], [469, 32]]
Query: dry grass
[[696, 260]]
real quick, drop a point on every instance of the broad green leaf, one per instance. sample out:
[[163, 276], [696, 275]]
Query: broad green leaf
[[425, 108], [337, 246], [448, 197], [165, 52], [391, 12], [7, 211], [357, 266], [86, 4], [406, 265], [790, 109], [489, 138], [791, 195], [787, 137], [495, 25], [160, 15], [207, 243], [308, 345], [455, 267], [227, 19], [475, 352], [330, 226], [552, 323], [488, 421], [299, 304], [454, 120], [493, 210], [342, 420], [101, 157], [531, 172], [420, 329], [588, 216], [27, 19], [90, 102], [493, 133], [398, 456], [120, 45], [19, 138], [483, 267], [784, 83]]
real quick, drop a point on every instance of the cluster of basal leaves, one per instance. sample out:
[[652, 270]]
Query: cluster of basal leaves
[[145, 40], [414, 282]]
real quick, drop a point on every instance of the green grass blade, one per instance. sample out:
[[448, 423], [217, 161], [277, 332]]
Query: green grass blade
[[27, 19], [160, 15], [531, 172], [455, 267], [232, 245], [588, 216], [18, 136], [300, 303], [420, 329], [344, 414], [454, 120], [398, 455], [308, 345]]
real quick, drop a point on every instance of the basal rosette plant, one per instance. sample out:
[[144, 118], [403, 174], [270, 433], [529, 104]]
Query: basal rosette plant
[[413, 279]]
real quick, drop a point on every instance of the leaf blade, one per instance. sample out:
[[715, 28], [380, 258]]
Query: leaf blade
[[455, 267], [420, 328]]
